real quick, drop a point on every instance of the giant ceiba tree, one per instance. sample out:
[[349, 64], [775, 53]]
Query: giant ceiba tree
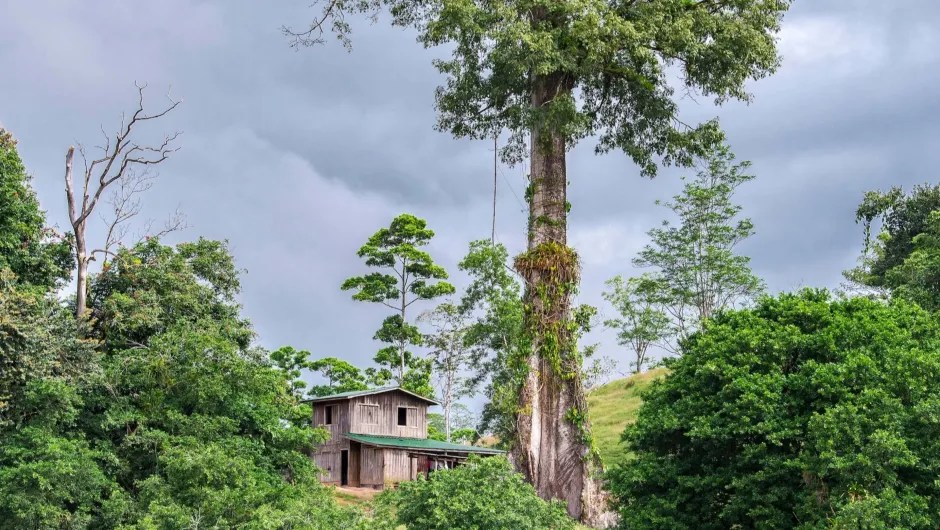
[[554, 72]]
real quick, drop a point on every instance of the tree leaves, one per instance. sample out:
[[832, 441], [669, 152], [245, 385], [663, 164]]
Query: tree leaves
[[411, 279], [482, 493], [697, 269], [801, 412], [903, 259]]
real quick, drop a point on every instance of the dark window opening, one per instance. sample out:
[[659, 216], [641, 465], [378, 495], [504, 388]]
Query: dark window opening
[[402, 416], [329, 416]]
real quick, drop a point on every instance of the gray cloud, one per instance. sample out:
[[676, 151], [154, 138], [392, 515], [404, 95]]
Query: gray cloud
[[297, 157]]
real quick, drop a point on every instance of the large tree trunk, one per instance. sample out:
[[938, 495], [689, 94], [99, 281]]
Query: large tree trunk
[[81, 276], [553, 448]]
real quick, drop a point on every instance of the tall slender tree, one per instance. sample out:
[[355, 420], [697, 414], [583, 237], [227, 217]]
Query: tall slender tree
[[699, 270], [556, 72], [450, 355], [413, 276]]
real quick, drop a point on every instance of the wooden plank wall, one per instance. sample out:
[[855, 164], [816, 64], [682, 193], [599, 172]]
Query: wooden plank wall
[[329, 463], [378, 414], [340, 423], [372, 467], [399, 466]]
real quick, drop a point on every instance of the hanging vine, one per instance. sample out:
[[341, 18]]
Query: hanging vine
[[551, 329]]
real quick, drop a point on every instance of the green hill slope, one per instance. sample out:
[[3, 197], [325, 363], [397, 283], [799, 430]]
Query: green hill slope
[[613, 406]]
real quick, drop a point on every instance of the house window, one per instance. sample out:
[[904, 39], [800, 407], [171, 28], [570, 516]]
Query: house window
[[368, 414], [403, 416], [329, 415]]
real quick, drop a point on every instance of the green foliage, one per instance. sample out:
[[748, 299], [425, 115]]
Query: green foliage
[[918, 278], [613, 55], [903, 259], [483, 493], [340, 377], [450, 355], [203, 428], [34, 253], [698, 271], [467, 436], [50, 476], [411, 277], [643, 322], [144, 290], [496, 335], [292, 362], [799, 413], [436, 427], [168, 419], [463, 423]]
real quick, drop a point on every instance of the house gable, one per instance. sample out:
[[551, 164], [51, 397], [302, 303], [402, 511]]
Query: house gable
[[389, 414]]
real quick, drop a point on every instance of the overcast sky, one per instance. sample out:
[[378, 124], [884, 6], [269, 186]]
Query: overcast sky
[[297, 157]]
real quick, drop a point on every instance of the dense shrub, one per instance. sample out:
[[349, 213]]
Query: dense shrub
[[800, 413], [484, 493]]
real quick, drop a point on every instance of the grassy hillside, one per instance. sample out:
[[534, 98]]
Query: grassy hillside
[[613, 406]]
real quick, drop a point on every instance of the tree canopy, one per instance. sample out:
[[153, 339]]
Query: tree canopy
[[615, 55], [412, 276], [698, 269], [482, 493], [33, 252], [903, 259], [802, 412]]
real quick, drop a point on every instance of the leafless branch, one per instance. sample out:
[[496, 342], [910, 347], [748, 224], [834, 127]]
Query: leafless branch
[[174, 223], [124, 153], [313, 35], [123, 161]]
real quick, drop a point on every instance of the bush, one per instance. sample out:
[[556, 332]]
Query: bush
[[800, 413], [484, 493]]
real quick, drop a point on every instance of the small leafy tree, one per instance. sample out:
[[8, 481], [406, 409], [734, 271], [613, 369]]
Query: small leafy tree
[[291, 363], [799, 413], [903, 258], [598, 371], [918, 278], [465, 436], [643, 322], [340, 376], [412, 277], [450, 356], [32, 252], [697, 266], [482, 493]]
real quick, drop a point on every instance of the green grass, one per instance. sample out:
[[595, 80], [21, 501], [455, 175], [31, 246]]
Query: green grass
[[614, 406]]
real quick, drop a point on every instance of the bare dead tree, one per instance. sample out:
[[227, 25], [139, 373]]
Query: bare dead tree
[[125, 162]]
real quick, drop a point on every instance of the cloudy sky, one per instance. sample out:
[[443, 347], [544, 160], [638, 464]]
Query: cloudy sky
[[296, 157]]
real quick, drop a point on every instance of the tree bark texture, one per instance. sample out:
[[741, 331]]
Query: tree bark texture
[[551, 449], [78, 227]]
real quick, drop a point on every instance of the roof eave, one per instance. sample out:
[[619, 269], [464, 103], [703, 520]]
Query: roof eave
[[323, 399]]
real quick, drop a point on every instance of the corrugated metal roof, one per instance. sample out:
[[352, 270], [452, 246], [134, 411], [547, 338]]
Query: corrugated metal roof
[[418, 443], [357, 393]]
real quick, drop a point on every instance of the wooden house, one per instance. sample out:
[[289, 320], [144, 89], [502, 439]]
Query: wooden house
[[380, 437]]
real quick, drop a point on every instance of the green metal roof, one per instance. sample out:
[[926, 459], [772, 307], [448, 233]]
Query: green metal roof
[[418, 443], [357, 393]]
